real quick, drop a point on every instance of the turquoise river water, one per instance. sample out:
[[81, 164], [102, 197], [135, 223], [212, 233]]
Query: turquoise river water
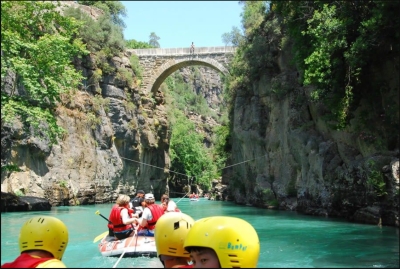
[[287, 239]]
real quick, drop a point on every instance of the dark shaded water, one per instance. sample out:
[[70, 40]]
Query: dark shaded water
[[287, 239]]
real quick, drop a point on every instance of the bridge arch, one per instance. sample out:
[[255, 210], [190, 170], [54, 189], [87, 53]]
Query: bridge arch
[[158, 63], [173, 65]]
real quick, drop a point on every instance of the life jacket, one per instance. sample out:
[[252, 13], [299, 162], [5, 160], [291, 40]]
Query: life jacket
[[25, 261], [156, 211], [116, 220]]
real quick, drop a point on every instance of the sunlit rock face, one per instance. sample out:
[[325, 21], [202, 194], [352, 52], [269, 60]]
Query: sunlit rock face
[[116, 141], [112, 131]]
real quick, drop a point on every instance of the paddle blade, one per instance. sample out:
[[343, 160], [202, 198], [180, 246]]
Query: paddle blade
[[100, 236]]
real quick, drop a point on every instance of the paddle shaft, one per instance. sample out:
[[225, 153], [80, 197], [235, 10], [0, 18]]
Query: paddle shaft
[[105, 218]]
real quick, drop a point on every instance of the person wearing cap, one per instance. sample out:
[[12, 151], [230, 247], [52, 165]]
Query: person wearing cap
[[151, 213], [136, 203], [42, 243]]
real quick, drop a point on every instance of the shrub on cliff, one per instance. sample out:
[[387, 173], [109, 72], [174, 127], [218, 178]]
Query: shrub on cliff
[[37, 46], [101, 34]]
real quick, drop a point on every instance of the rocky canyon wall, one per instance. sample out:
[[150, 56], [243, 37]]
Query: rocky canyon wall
[[293, 160]]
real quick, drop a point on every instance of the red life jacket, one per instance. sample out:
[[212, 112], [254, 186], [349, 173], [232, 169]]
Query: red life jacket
[[25, 261], [115, 217], [156, 211]]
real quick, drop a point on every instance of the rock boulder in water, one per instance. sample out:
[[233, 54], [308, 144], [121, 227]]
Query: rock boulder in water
[[12, 203]]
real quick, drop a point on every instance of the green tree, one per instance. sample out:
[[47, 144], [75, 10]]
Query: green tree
[[221, 146], [153, 40], [100, 34], [253, 15], [37, 45], [115, 9], [234, 37], [254, 54], [133, 44], [188, 155], [335, 42]]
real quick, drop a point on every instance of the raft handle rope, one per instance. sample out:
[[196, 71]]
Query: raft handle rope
[[123, 253]]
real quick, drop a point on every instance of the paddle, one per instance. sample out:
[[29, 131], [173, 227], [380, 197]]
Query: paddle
[[98, 213], [100, 236]]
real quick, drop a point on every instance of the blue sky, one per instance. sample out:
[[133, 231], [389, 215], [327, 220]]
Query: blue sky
[[178, 23]]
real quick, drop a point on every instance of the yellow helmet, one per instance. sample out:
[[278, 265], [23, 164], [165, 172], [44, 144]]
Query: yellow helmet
[[170, 233], [234, 240], [44, 233]]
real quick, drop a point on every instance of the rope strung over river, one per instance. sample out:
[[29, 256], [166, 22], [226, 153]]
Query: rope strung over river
[[188, 175]]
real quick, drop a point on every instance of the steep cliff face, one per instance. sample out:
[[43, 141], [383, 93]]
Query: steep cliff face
[[284, 153], [207, 83], [117, 141], [295, 161]]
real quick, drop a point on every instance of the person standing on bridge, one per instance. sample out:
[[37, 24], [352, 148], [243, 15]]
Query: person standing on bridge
[[192, 48]]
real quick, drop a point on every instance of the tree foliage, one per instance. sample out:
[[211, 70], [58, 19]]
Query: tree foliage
[[114, 9], [221, 146], [335, 42], [234, 37], [100, 34], [188, 154], [336, 45], [37, 46], [253, 16], [255, 53], [133, 44], [183, 98], [153, 40]]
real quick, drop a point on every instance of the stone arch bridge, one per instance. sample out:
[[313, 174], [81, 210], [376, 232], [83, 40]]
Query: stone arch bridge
[[159, 63]]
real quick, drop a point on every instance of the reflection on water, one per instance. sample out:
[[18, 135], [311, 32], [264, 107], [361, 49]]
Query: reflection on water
[[287, 239]]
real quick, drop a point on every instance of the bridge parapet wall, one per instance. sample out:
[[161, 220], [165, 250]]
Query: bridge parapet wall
[[183, 51]]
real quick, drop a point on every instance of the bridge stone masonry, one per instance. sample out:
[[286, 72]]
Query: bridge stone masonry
[[159, 63]]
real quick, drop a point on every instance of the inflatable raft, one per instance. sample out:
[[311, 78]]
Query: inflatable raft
[[133, 246]]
